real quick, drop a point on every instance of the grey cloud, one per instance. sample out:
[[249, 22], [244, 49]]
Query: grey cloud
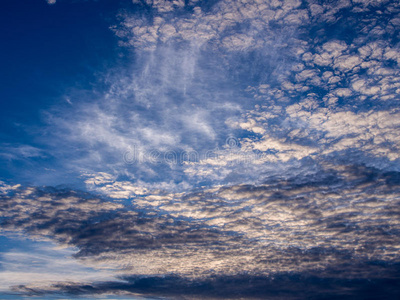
[[333, 219], [294, 215], [281, 286]]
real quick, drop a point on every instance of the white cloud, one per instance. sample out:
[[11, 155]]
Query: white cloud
[[6, 188], [371, 132], [108, 185], [201, 27], [347, 62], [39, 263], [187, 91]]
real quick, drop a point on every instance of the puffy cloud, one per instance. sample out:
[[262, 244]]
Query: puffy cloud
[[214, 25], [334, 96], [371, 132], [312, 98], [6, 188], [106, 184], [338, 218], [186, 94]]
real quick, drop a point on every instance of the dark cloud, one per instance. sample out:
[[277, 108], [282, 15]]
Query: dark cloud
[[94, 225], [280, 286], [335, 228]]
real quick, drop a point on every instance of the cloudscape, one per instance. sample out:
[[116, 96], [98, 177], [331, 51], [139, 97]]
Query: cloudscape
[[221, 149]]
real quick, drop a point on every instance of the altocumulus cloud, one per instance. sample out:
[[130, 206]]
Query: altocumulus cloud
[[340, 226], [306, 195], [285, 77]]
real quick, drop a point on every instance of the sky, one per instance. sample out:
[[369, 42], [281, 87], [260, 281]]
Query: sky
[[189, 149]]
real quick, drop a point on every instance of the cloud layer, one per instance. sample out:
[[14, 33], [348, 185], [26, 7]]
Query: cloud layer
[[242, 149], [289, 80], [331, 225]]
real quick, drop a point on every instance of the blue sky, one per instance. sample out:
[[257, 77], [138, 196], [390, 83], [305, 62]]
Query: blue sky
[[228, 149]]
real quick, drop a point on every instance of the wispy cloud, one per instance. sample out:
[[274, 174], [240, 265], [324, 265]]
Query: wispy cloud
[[39, 263], [196, 82]]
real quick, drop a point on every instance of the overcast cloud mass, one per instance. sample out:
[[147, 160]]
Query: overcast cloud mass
[[224, 149]]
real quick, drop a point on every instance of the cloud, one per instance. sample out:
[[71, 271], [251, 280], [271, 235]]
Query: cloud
[[338, 218], [333, 97], [235, 287], [317, 132], [20, 152], [176, 98], [338, 210], [214, 25], [290, 112], [203, 73], [38, 263], [51, 2], [6, 188]]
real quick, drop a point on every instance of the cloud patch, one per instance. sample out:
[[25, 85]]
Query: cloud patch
[[339, 219]]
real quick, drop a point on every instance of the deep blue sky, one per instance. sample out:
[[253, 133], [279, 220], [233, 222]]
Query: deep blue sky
[[48, 48], [48, 51]]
